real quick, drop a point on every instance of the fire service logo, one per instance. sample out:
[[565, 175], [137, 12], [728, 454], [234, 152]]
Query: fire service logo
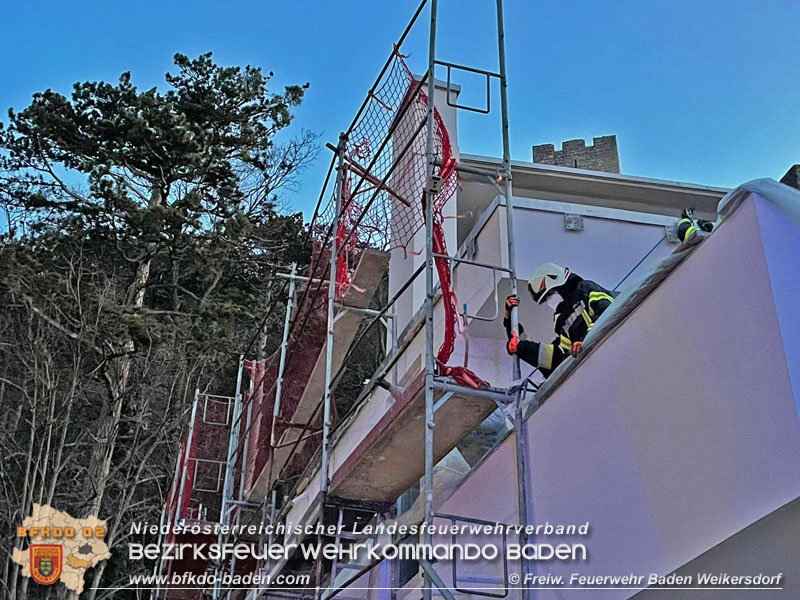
[[60, 547], [46, 561]]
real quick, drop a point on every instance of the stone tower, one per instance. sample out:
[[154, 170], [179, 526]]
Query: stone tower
[[601, 156]]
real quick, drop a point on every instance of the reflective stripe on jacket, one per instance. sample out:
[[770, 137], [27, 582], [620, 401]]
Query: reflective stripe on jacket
[[584, 302]]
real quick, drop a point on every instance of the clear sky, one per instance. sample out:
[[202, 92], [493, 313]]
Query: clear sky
[[697, 91]]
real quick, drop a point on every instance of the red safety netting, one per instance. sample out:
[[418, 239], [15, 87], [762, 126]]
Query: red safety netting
[[385, 183], [306, 341], [383, 207], [383, 199], [196, 490], [181, 489]]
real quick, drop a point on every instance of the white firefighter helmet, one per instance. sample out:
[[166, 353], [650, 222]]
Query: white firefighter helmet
[[546, 278]]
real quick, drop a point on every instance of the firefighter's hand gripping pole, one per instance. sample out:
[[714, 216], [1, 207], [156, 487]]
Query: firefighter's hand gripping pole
[[513, 342]]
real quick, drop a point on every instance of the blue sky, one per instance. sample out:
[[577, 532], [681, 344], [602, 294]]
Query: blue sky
[[704, 92]]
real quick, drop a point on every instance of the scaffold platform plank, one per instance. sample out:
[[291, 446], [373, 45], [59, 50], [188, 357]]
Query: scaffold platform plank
[[391, 458]]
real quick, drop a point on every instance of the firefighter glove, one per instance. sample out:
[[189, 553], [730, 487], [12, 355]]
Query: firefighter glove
[[511, 302], [513, 342]]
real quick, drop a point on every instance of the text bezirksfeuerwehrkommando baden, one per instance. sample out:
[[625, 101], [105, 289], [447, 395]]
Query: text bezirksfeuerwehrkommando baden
[[407, 551], [379, 552]]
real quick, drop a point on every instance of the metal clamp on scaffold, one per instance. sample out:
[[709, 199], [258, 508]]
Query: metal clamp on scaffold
[[433, 185]]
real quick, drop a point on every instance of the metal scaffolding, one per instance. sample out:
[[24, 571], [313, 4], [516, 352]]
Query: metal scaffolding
[[339, 240]]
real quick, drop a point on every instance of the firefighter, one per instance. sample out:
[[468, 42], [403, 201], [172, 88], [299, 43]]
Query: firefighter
[[577, 304], [687, 224]]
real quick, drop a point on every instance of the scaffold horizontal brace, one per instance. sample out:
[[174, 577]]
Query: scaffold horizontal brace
[[362, 311], [498, 395], [458, 259], [245, 504], [473, 170]]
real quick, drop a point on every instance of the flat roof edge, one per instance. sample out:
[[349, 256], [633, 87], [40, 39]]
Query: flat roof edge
[[554, 170]]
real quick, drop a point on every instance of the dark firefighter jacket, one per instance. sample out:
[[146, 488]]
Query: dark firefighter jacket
[[584, 302]]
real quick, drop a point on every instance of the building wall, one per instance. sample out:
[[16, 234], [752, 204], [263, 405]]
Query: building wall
[[776, 539], [610, 245], [541, 236], [602, 155], [670, 437]]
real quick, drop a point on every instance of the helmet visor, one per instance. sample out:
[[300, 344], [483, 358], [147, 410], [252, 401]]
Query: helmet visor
[[538, 294]]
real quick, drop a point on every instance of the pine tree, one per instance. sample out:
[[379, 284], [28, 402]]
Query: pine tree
[[142, 231]]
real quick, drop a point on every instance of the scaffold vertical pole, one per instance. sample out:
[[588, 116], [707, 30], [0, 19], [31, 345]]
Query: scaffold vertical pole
[[276, 409], [245, 442], [506, 172], [334, 263], [429, 291], [326, 419], [519, 423], [230, 471], [166, 517], [272, 511], [521, 438], [189, 439]]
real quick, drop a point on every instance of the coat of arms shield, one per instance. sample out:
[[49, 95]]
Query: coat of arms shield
[[46, 562]]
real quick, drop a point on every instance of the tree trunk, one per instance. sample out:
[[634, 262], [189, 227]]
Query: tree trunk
[[117, 379]]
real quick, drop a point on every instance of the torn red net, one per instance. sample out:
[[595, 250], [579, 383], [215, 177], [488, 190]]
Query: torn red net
[[383, 204]]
